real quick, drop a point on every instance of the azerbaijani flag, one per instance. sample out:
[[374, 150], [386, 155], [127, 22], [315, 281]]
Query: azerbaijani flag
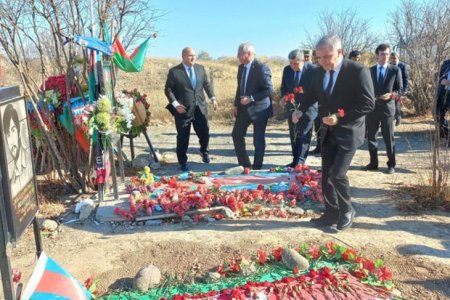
[[125, 62], [129, 63], [50, 281]]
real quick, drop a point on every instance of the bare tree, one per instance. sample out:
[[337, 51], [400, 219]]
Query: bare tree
[[355, 32], [33, 35], [421, 31], [203, 55]]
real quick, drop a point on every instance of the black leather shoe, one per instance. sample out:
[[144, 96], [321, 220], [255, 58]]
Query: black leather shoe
[[390, 170], [205, 157], [345, 220], [184, 168], [327, 219], [291, 165], [254, 167], [314, 152], [369, 167]]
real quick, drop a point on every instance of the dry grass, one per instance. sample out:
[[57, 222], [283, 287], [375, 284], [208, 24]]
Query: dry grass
[[49, 195], [420, 196]]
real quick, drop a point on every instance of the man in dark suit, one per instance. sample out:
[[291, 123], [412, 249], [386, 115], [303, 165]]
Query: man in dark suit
[[395, 60], [387, 80], [404, 68], [252, 105], [443, 98], [185, 88], [355, 55], [344, 91], [296, 78]]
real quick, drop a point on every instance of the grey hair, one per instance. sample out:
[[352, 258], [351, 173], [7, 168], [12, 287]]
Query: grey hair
[[296, 54], [185, 50], [330, 41], [247, 47]]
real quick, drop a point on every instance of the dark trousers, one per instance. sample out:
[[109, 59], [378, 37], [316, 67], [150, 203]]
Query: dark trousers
[[442, 105], [374, 121], [300, 135], [317, 124], [335, 184], [259, 139], [201, 128]]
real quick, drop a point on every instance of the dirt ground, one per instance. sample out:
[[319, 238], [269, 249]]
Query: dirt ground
[[416, 247]]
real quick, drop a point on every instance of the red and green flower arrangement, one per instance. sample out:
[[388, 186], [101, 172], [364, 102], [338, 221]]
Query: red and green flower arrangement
[[179, 196], [334, 272]]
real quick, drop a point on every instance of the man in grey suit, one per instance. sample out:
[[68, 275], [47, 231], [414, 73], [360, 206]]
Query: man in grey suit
[[344, 91], [184, 89], [387, 80], [252, 105], [296, 78]]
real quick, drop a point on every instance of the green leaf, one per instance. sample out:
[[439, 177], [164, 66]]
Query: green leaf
[[379, 263], [372, 279], [388, 284], [303, 248]]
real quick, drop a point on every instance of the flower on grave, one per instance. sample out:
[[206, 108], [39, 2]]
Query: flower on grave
[[277, 253], [384, 274], [103, 104], [262, 257], [103, 120]]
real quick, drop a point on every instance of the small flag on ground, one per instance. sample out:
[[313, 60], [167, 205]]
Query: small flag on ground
[[50, 281]]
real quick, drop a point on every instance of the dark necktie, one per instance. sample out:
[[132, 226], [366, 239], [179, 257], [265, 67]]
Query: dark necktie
[[330, 84], [191, 77], [380, 76], [244, 74], [296, 78]]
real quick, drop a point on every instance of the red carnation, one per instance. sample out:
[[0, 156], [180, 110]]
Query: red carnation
[[289, 98], [384, 274], [394, 96], [298, 90], [277, 253], [341, 112], [262, 257], [349, 255], [16, 275]]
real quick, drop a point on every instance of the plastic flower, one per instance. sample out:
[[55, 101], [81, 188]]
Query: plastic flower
[[103, 120], [103, 104]]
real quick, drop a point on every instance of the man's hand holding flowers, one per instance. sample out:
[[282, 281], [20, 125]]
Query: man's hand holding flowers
[[296, 115], [386, 97], [333, 119]]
